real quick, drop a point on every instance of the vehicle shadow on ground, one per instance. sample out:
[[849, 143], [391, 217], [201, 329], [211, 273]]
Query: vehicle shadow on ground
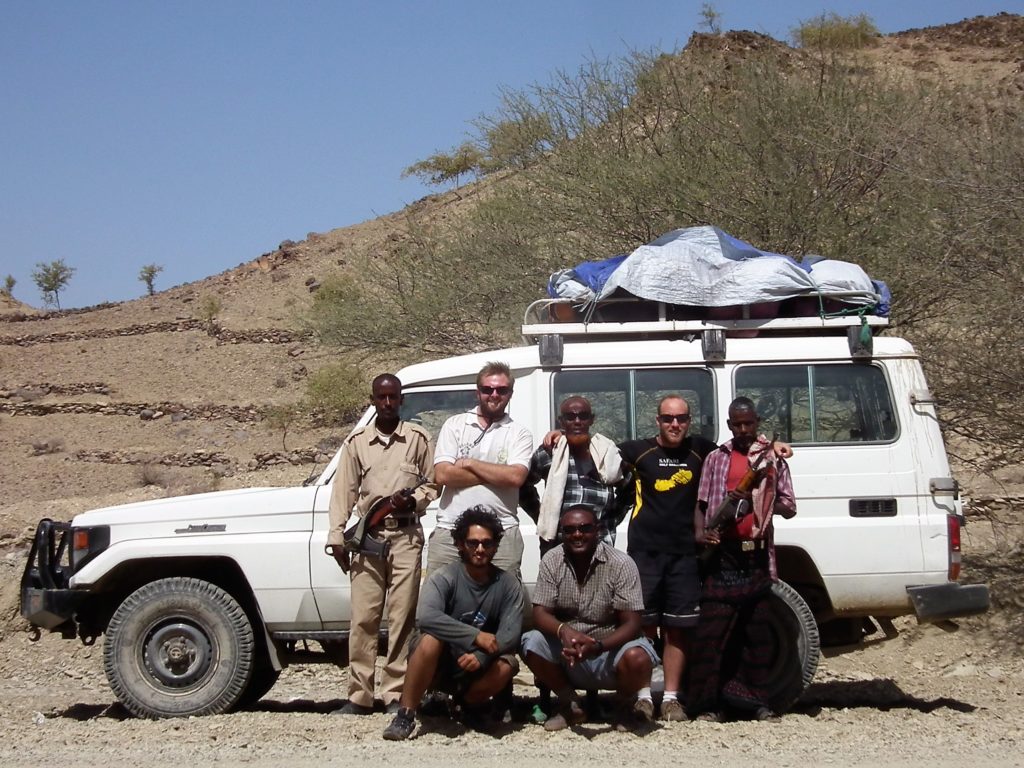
[[880, 694], [83, 712]]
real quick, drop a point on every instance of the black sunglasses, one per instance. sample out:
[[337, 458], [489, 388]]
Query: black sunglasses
[[484, 390], [479, 544], [586, 528], [668, 418], [576, 416]]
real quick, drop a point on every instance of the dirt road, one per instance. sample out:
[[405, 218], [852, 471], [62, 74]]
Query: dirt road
[[927, 698]]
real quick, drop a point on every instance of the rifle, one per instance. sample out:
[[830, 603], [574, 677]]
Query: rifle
[[358, 540], [733, 509]]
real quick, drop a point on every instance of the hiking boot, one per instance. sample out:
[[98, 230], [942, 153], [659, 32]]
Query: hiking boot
[[630, 715], [643, 710], [351, 708], [672, 711], [566, 716], [402, 726]]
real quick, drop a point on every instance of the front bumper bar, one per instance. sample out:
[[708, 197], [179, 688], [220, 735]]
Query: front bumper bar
[[46, 600], [936, 602]]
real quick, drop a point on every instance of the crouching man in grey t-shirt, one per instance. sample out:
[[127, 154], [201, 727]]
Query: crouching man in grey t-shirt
[[469, 621]]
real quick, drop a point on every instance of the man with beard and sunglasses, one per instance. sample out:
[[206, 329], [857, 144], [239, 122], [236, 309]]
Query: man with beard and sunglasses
[[584, 470], [469, 622], [586, 614], [482, 458]]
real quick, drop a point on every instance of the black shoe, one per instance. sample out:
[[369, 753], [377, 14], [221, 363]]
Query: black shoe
[[402, 726], [476, 718], [435, 704], [351, 708]]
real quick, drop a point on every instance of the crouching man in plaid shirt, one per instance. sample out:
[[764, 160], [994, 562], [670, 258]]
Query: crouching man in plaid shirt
[[586, 610]]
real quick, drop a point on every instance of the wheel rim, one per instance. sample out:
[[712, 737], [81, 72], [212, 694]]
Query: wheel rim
[[177, 655]]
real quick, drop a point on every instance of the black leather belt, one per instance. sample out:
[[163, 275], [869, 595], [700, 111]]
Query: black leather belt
[[745, 545], [395, 522]]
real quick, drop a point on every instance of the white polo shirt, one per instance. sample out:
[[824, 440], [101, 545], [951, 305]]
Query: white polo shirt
[[503, 442]]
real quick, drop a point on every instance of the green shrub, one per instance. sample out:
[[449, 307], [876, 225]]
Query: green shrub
[[208, 307], [336, 394]]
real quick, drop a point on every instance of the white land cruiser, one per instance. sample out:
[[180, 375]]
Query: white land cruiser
[[203, 599]]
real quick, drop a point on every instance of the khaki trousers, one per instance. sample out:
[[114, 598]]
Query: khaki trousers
[[395, 579]]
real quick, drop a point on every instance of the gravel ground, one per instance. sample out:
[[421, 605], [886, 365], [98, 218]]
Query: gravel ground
[[928, 698]]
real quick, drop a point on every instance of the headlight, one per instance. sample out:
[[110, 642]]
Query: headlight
[[86, 543]]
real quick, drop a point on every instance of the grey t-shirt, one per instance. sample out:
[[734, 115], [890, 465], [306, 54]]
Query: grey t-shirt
[[455, 609]]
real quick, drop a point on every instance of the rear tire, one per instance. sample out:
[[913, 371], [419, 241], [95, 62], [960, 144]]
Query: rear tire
[[178, 647], [797, 646]]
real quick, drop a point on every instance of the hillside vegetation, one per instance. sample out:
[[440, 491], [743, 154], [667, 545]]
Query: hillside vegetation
[[804, 151]]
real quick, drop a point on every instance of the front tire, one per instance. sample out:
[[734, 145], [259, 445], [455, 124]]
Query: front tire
[[178, 647]]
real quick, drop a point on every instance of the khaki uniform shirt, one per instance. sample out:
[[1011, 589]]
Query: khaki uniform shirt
[[372, 467]]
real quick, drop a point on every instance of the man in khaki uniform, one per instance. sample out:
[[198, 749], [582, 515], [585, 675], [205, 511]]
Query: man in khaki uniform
[[379, 461]]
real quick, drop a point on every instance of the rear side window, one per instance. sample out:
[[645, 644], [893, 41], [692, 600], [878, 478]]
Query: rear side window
[[625, 402], [431, 409], [835, 403]]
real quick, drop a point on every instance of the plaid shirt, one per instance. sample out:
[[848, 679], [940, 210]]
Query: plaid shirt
[[579, 492], [612, 584], [716, 472]]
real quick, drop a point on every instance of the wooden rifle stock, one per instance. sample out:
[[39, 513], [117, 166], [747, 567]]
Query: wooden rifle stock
[[358, 539], [730, 509]]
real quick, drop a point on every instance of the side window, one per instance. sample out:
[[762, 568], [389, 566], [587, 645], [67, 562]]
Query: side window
[[608, 393], [431, 409], [625, 402], [835, 403]]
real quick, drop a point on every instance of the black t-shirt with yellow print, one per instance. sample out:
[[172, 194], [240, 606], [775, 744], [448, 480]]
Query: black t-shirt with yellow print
[[666, 481]]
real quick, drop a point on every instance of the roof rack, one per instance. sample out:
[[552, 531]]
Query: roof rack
[[548, 322], [628, 317]]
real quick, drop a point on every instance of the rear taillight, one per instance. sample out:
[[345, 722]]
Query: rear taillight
[[953, 529]]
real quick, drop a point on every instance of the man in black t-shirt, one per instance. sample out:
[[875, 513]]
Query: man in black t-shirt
[[666, 470]]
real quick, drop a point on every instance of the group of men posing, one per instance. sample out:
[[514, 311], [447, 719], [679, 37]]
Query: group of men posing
[[598, 613]]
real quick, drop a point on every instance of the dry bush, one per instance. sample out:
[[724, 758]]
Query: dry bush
[[832, 32], [208, 307], [336, 394], [153, 474], [47, 446]]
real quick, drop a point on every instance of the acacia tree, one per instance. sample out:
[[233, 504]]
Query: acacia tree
[[51, 279], [440, 168], [148, 274]]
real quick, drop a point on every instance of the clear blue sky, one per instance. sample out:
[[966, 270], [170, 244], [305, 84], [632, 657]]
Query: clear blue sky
[[198, 134]]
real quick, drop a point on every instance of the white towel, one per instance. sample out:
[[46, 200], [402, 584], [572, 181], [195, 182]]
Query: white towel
[[609, 469]]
